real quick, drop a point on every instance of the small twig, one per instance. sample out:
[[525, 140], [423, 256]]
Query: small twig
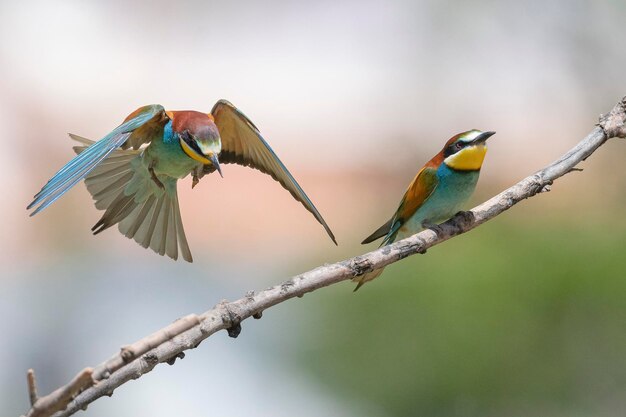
[[130, 352], [168, 344], [32, 386], [60, 398]]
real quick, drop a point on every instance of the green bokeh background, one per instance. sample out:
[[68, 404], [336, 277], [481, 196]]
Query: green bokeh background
[[510, 319]]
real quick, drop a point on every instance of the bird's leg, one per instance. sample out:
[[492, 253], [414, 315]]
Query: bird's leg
[[154, 177], [197, 175]]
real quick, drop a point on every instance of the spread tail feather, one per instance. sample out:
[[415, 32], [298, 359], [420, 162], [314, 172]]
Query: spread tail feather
[[143, 211]]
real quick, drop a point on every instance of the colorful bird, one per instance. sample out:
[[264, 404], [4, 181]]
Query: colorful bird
[[437, 192], [132, 173]]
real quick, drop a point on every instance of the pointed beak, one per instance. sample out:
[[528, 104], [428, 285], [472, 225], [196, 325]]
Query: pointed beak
[[482, 138], [216, 163]]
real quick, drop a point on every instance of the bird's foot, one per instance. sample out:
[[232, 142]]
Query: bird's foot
[[156, 180], [197, 175], [433, 226], [464, 218]]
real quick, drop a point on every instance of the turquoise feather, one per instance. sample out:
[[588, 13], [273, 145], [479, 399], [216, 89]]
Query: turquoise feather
[[79, 167], [453, 190]]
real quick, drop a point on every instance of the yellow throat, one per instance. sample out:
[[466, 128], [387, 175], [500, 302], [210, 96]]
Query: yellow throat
[[193, 154], [467, 159]]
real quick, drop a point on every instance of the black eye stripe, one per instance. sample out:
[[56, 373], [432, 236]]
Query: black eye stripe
[[454, 148], [189, 140]]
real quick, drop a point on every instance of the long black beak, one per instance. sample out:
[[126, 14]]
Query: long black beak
[[483, 137], [216, 163]]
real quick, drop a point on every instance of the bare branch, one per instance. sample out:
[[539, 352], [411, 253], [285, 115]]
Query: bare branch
[[169, 343], [131, 352]]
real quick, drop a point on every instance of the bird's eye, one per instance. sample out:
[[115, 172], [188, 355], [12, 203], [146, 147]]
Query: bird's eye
[[458, 146]]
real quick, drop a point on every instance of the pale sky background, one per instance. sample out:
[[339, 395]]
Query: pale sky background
[[354, 96]]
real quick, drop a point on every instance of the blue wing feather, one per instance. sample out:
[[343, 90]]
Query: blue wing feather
[[79, 167]]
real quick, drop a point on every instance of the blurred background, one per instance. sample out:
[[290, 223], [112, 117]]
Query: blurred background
[[525, 316]]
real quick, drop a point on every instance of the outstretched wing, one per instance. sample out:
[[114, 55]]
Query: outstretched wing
[[243, 144], [419, 190], [86, 161]]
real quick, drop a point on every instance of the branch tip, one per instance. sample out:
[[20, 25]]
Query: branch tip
[[32, 386]]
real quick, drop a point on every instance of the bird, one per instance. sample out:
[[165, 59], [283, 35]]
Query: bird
[[132, 173], [438, 191]]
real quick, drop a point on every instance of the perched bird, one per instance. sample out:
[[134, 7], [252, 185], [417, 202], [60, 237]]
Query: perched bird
[[437, 192], [132, 173]]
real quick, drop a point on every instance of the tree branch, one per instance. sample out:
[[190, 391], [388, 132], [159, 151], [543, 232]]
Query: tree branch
[[169, 343]]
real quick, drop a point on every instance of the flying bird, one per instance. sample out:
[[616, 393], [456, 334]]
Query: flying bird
[[132, 173], [437, 192]]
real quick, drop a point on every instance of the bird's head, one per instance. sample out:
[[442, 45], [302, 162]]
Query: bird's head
[[199, 137], [466, 151]]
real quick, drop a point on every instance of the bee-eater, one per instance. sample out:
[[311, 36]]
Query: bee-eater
[[437, 192], [132, 173]]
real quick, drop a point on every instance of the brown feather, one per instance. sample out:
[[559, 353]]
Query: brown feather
[[243, 144]]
